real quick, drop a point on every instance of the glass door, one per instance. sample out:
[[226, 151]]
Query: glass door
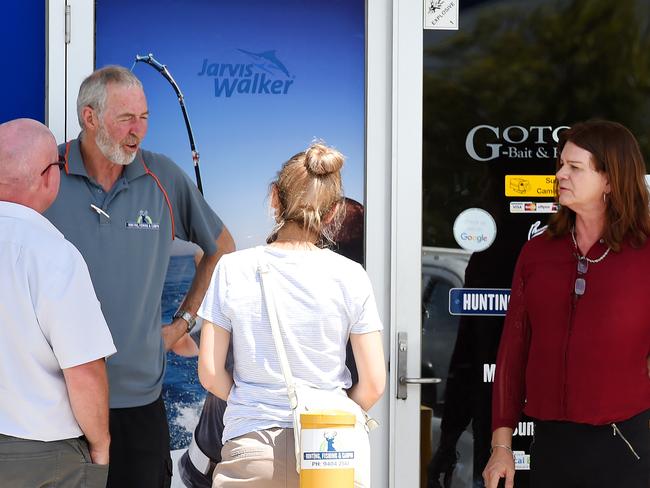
[[499, 83]]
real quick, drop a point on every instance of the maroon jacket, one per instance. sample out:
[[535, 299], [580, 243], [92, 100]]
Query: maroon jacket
[[580, 359]]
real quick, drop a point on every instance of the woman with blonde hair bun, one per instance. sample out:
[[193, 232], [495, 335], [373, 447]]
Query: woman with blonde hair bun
[[308, 191], [324, 299]]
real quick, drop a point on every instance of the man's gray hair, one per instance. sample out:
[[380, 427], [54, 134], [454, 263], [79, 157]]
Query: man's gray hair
[[92, 91]]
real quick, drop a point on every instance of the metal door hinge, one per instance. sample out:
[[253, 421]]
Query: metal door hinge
[[67, 23]]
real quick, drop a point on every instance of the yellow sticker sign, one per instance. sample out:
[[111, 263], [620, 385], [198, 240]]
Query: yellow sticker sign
[[541, 186]]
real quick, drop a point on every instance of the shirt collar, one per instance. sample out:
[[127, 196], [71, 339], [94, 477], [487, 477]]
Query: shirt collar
[[136, 169], [22, 212], [75, 165], [74, 162]]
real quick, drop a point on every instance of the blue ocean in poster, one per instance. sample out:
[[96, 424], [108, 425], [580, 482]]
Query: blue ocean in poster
[[182, 392]]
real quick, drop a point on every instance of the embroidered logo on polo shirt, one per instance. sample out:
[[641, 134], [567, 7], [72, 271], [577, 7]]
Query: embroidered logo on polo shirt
[[143, 221]]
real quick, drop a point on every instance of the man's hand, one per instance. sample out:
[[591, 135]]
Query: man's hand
[[171, 333], [500, 465], [99, 453], [186, 347]]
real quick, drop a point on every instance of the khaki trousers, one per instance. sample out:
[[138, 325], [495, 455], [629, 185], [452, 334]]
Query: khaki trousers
[[263, 459]]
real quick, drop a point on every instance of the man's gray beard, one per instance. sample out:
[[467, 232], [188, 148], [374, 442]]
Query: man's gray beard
[[111, 150]]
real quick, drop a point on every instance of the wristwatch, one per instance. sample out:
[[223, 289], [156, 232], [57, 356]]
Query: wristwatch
[[187, 317]]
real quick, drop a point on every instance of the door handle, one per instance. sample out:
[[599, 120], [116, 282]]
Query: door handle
[[402, 380], [419, 381]]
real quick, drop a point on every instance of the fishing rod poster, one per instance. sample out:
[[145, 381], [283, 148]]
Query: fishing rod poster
[[260, 83]]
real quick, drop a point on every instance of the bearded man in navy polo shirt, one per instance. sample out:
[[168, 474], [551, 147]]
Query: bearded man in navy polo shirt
[[122, 207]]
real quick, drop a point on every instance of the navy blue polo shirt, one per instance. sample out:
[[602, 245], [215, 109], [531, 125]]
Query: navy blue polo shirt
[[127, 247]]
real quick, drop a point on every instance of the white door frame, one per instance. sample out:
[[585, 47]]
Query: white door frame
[[55, 68], [70, 27], [406, 236], [394, 221], [379, 47]]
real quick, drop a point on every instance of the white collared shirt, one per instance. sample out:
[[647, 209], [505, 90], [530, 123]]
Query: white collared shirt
[[50, 320]]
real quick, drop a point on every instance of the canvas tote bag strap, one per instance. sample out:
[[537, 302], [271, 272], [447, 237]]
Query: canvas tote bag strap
[[267, 295]]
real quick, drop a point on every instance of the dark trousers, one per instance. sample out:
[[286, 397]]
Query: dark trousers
[[139, 447], [570, 455]]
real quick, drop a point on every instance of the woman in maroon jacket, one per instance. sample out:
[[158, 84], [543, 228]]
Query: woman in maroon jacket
[[575, 349]]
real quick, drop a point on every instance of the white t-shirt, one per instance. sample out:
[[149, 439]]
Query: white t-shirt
[[321, 298], [50, 320]]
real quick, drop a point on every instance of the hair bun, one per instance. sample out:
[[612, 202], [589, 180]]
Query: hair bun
[[322, 160]]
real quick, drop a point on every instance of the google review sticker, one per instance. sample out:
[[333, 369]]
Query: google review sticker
[[475, 229]]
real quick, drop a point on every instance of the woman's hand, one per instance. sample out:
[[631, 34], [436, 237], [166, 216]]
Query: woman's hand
[[501, 463]]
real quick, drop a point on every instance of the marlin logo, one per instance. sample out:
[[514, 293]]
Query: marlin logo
[[143, 221], [266, 75], [268, 60]]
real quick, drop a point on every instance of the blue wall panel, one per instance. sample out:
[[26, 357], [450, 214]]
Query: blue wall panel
[[22, 41]]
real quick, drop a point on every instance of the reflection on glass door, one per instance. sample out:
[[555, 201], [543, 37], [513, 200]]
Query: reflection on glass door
[[496, 94], [442, 270]]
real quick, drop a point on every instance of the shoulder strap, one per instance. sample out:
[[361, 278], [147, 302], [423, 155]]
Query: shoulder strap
[[267, 296]]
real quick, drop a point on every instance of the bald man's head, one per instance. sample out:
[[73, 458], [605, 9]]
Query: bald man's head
[[26, 148]]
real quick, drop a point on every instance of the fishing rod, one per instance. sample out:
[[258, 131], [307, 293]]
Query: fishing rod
[[162, 69]]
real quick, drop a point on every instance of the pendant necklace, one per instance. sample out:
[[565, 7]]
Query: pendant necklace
[[591, 261]]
